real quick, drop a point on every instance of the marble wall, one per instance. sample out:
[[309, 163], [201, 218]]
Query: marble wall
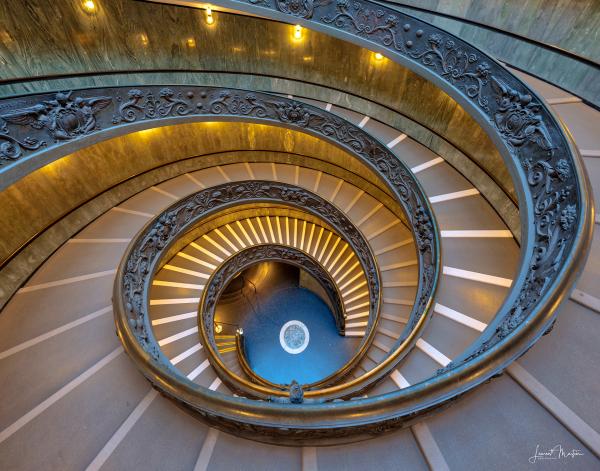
[[52, 204], [573, 25], [128, 37], [570, 25]]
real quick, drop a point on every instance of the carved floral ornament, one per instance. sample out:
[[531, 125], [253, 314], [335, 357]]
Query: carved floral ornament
[[533, 138], [62, 118], [531, 135]]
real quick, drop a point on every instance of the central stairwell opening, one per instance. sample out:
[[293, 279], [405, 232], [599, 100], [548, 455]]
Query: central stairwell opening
[[288, 325]]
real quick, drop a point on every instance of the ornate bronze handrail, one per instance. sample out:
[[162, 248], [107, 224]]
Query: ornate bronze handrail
[[67, 120], [230, 268], [143, 257], [556, 205], [183, 215], [556, 216], [555, 201]]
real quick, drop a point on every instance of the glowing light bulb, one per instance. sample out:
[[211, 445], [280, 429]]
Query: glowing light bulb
[[297, 32], [89, 6], [144, 39], [378, 56], [218, 328], [191, 42], [209, 16]]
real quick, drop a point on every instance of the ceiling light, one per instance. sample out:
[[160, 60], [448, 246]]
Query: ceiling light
[[378, 56], [5, 37]]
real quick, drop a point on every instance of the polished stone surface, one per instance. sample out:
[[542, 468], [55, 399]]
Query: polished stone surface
[[21, 267], [561, 23], [571, 26], [112, 41]]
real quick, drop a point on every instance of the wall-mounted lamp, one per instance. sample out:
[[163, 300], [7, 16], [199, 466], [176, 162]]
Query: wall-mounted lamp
[[144, 39], [191, 42], [218, 328], [297, 32], [378, 56], [88, 6], [209, 16]]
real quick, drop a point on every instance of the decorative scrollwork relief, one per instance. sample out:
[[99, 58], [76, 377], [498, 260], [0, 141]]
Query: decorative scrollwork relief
[[170, 225], [148, 105], [531, 135], [299, 8], [62, 118], [368, 20]]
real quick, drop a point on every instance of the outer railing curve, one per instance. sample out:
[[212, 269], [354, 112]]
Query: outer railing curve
[[555, 201]]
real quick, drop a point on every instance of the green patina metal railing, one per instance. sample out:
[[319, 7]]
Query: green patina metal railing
[[555, 204]]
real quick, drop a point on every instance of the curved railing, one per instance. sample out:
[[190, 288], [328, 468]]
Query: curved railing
[[556, 216], [227, 198], [144, 255], [57, 123], [292, 255], [219, 280], [555, 203], [240, 345]]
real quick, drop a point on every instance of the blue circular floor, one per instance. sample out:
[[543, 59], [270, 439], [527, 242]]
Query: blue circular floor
[[325, 352]]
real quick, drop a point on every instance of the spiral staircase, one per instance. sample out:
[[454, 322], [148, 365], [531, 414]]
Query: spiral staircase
[[439, 201]]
